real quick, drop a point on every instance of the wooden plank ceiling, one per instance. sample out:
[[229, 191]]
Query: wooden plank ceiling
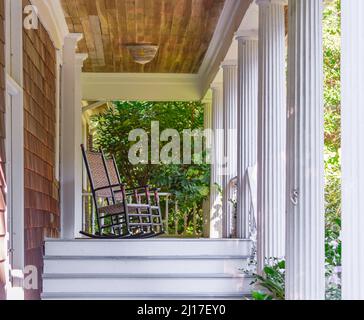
[[182, 28]]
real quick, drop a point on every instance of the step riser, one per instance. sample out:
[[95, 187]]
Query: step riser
[[130, 266], [148, 286], [147, 247]]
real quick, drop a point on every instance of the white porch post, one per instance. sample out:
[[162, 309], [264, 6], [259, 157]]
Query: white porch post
[[71, 139], [230, 144], [217, 158], [352, 149], [305, 274], [271, 132], [247, 124], [207, 206], [208, 126]]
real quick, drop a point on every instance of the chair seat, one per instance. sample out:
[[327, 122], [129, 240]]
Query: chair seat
[[119, 208], [139, 206]]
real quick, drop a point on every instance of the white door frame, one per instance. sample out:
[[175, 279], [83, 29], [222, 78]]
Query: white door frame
[[14, 145]]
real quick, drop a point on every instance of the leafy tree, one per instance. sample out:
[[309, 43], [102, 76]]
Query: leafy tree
[[332, 98], [189, 183]]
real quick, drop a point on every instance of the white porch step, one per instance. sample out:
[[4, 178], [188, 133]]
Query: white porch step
[[141, 296], [150, 247], [144, 264], [147, 283], [146, 269]]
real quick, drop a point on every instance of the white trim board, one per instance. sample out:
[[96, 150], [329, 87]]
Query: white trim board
[[15, 186], [14, 144], [142, 86]]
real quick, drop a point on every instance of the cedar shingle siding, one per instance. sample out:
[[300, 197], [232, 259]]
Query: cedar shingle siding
[[41, 190], [2, 150]]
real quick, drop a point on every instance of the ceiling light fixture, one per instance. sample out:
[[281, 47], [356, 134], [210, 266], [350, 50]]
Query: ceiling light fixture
[[142, 53]]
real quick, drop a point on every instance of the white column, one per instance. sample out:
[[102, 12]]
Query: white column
[[71, 139], [271, 132], [208, 126], [59, 62], [207, 206], [230, 145], [247, 124], [217, 160], [305, 273], [352, 150]]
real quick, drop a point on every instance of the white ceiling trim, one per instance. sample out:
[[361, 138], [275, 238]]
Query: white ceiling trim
[[140, 86]]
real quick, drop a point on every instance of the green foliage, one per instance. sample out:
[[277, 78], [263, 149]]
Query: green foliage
[[332, 54], [258, 295], [190, 184], [333, 261], [272, 281], [332, 98]]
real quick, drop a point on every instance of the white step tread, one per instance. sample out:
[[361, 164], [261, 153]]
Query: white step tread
[[143, 276], [134, 284], [143, 296], [148, 240], [161, 257], [149, 247]]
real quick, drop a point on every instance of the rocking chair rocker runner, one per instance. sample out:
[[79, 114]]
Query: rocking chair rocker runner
[[120, 212]]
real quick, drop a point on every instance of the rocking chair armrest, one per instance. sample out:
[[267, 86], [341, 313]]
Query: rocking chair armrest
[[138, 188], [130, 190]]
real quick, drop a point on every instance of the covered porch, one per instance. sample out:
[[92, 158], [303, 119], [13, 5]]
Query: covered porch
[[210, 265], [107, 72], [238, 70], [267, 134]]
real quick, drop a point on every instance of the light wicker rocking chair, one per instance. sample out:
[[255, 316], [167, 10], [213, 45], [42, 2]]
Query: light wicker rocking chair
[[120, 212]]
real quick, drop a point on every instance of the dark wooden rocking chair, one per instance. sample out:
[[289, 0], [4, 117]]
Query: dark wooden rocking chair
[[120, 212]]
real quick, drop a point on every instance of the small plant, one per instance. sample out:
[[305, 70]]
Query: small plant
[[333, 261], [258, 295], [272, 281]]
